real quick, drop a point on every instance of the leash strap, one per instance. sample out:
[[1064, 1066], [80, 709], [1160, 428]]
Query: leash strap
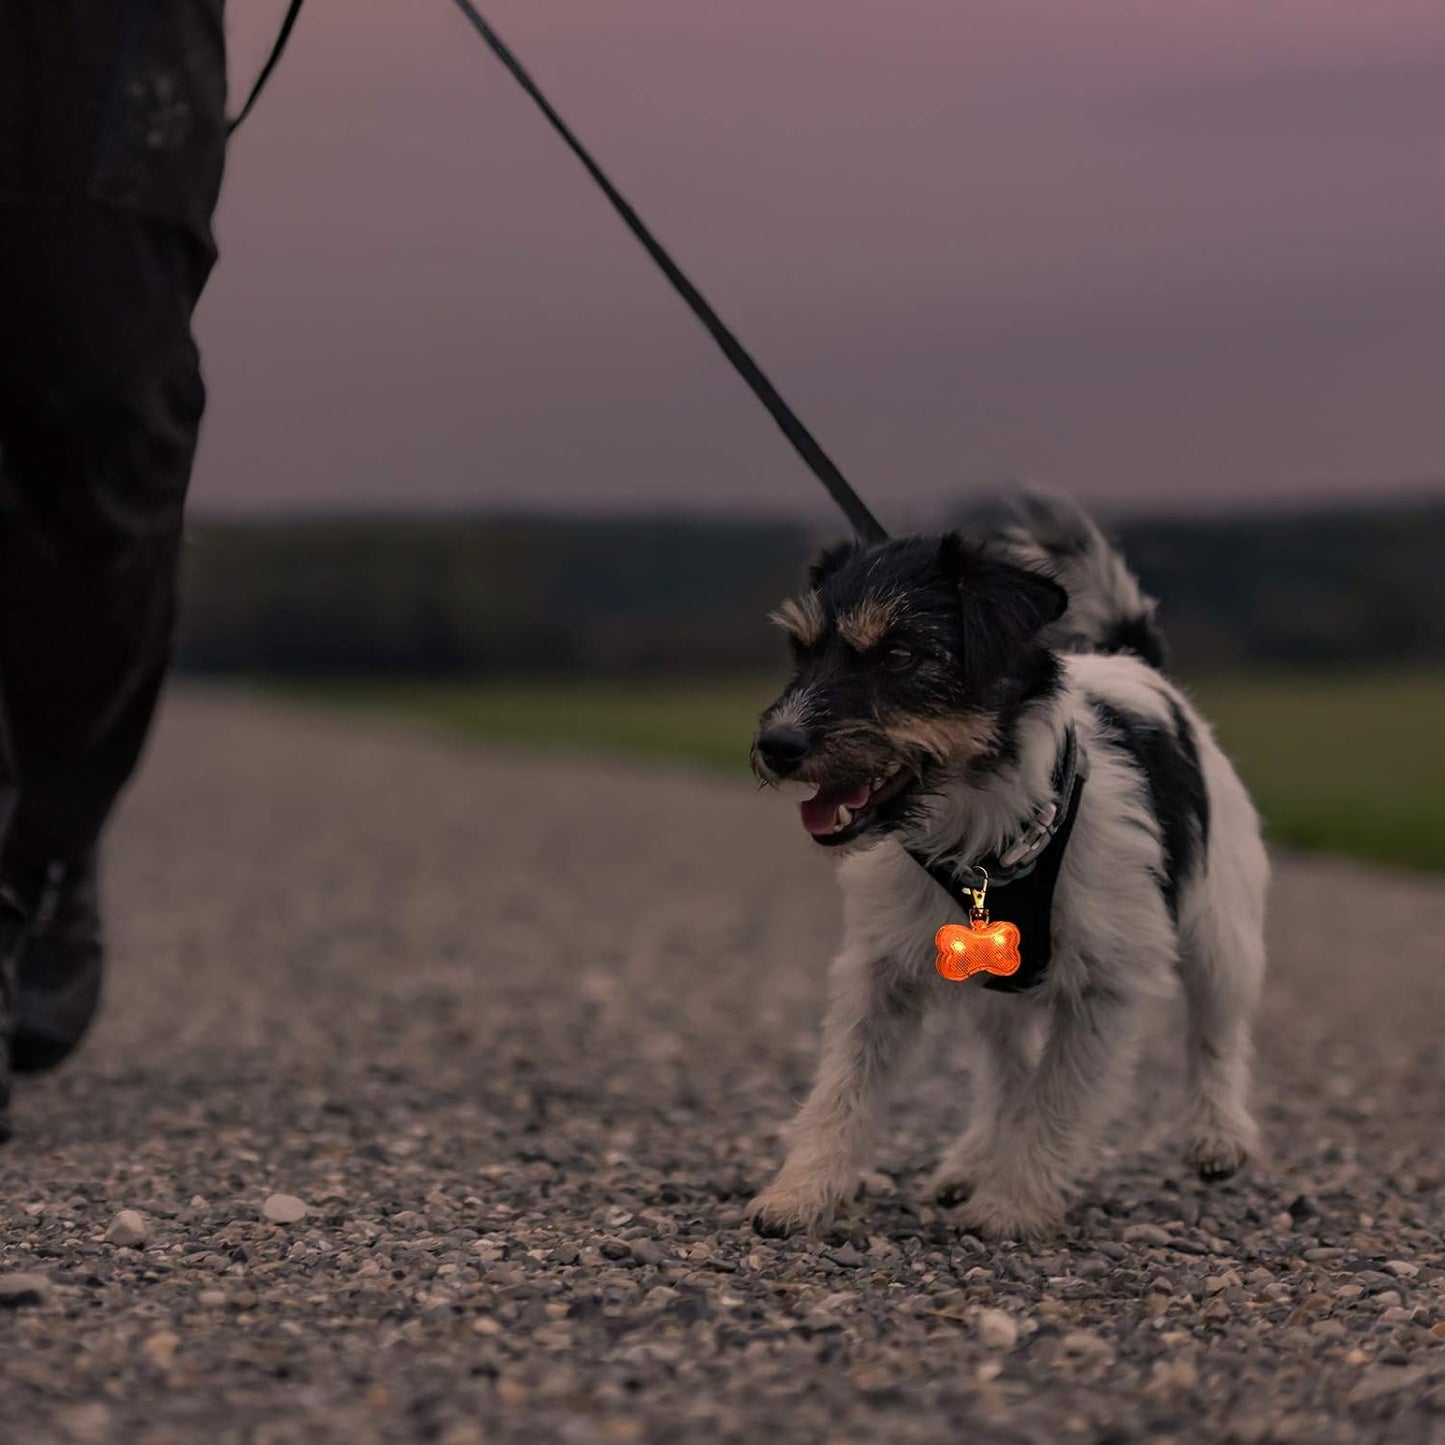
[[804, 442], [272, 60]]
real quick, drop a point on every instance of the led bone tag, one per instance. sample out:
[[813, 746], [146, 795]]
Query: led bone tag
[[981, 947]]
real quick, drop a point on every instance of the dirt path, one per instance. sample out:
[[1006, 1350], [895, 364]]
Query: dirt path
[[522, 1034]]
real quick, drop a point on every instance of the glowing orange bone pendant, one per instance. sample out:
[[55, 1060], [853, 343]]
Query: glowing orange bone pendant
[[979, 947]]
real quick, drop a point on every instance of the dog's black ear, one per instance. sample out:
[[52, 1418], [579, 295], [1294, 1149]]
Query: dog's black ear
[[1004, 605], [831, 559]]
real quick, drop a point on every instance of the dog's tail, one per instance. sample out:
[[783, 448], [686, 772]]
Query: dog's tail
[[1108, 611]]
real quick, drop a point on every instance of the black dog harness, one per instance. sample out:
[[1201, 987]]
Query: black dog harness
[[1021, 878]]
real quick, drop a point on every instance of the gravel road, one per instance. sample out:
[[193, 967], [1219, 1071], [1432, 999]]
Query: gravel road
[[520, 1036]]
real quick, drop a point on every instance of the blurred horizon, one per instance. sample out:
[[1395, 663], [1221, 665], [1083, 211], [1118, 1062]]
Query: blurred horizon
[[1173, 262], [815, 516]]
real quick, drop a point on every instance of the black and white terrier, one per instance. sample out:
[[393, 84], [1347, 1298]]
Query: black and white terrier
[[956, 702]]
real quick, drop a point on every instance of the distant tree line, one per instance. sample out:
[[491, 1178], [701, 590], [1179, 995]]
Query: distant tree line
[[538, 596]]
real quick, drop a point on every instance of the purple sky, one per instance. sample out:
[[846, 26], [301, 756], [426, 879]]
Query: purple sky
[[1162, 255]]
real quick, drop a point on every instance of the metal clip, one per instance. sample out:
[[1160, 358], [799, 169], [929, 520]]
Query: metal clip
[[978, 913]]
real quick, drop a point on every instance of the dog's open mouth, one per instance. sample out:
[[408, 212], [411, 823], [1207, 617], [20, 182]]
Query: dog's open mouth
[[840, 812]]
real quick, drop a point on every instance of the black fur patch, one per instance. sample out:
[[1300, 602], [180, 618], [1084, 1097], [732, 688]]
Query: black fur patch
[[833, 559], [1168, 758], [1138, 634], [969, 619], [926, 657], [1039, 676]]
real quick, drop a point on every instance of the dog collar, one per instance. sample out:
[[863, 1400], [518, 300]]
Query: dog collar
[[1020, 878]]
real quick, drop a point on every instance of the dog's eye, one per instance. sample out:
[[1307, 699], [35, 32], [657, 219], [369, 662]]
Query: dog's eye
[[898, 659]]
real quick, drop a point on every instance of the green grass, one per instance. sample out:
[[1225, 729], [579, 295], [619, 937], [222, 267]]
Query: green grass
[[708, 723], [1349, 763]]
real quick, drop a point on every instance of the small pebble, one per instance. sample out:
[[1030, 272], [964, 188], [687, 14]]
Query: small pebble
[[129, 1228], [162, 1347], [1218, 1283], [87, 1424], [996, 1330], [1384, 1380], [1171, 1376], [284, 1209], [1084, 1344], [1150, 1234]]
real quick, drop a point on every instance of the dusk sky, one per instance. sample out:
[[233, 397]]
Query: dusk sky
[[1162, 255]]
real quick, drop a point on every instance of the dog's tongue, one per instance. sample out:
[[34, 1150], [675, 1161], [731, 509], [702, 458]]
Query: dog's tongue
[[820, 813]]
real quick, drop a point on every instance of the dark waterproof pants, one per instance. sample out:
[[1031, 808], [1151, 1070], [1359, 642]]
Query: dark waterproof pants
[[112, 137]]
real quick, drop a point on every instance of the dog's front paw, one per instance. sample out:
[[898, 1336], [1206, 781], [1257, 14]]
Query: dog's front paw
[[995, 1213], [793, 1207], [955, 1180], [959, 1171], [949, 1189], [1216, 1154]]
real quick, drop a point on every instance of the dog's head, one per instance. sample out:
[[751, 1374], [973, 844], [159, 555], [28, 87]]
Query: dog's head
[[908, 657]]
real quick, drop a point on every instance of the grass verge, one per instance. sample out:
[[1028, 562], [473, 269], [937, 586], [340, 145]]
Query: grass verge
[[1349, 763]]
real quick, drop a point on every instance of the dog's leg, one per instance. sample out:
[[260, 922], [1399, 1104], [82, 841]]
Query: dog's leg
[[1221, 966], [1055, 1121], [873, 1013], [1005, 1061]]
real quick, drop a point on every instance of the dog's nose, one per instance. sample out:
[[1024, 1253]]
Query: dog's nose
[[783, 748]]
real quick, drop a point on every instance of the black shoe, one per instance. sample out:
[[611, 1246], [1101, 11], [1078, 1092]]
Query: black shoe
[[59, 968], [12, 940]]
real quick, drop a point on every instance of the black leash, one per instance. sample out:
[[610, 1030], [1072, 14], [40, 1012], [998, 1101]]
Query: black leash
[[804, 442], [272, 60]]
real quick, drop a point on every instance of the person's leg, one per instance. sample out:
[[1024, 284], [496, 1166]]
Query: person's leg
[[12, 936], [111, 144], [13, 923], [98, 428]]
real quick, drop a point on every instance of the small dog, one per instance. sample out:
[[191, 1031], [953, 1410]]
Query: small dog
[[940, 683]]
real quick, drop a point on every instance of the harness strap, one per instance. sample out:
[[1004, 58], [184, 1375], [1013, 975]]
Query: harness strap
[[1024, 895]]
